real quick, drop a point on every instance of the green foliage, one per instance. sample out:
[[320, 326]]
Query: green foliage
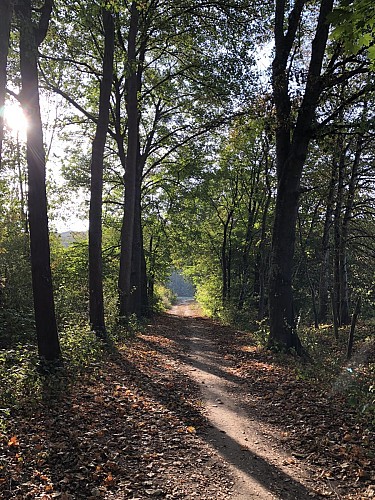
[[16, 303], [209, 295], [24, 384], [163, 298], [82, 350], [19, 378], [354, 22], [70, 270], [353, 380]]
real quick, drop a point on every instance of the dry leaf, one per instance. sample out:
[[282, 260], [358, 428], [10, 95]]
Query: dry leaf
[[13, 441]]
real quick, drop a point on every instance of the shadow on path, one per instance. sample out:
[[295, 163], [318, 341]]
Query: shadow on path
[[261, 471]]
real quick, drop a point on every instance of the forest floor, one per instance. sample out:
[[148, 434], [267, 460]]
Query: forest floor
[[187, 409]]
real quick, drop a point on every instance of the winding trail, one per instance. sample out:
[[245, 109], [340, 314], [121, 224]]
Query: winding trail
[[259, 468]]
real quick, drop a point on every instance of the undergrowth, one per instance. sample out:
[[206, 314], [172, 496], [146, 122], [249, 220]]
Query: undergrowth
[[25, 383], [352, 379], [328, 367]]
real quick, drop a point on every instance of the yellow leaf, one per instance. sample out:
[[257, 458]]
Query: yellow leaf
[[191, 429]]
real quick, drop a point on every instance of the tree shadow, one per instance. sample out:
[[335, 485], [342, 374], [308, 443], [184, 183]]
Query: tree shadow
[[271, 477], [84, 436]]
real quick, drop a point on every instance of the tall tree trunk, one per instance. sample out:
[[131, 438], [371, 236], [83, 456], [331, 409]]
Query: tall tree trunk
[[324, 278], [337, 230], [290, 156], [263, 256], [245, 271], [145, 305], [6, 9], [226, 257], [130, 177], [21, 179], [48, 341], [96, 302], [136, 274], [344, 292]]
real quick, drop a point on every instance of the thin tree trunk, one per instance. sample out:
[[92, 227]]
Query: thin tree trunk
[[325, 250], [48, 341], [6, 9], [145, 305], [344, 295], [305, 259], [338, 232], [225, 258], [261, 257], [151, 275], [335, 319], [23, 212], [96, 301], [245, 274], [356, 312]]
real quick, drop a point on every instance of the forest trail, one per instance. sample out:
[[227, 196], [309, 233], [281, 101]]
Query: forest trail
[[187, 408], [260, 469]]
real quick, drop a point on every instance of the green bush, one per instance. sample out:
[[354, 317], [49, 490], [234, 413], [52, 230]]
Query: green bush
[[163, 298]]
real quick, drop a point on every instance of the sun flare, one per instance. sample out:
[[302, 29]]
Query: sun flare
[[15, 119]]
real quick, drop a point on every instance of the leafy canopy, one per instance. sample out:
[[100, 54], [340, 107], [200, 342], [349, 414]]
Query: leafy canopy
[[354, 22]]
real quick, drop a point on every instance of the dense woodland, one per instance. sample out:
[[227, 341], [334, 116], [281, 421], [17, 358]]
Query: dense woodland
[[232, 140]]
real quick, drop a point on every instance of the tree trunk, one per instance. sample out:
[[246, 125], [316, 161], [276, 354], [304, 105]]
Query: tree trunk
[[136, 274], [282, 321], [263, 256], [5, 18], [245, 271], [130, 177], [21, 179], [96, 302], [225, 258], [344, 291], [290, 159], [356, 312], [337, 281], [324, 277], [48, 342]]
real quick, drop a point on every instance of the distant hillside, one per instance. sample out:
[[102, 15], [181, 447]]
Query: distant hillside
[[69, 237]]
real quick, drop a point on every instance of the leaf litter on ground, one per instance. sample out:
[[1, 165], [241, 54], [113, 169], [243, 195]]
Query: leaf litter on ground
[[135, 427]]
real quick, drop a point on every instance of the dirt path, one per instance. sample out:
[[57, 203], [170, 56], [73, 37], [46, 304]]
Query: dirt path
[[260, 469], [185, 409]]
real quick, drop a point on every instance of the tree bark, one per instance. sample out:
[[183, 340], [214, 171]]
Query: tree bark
[[344, 287], [252, 208], [337, 280], [96, 301], [291, 150], [136, 274], [356, 312], [324, 277], [130, 177], [6, 9], [46, 328]]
